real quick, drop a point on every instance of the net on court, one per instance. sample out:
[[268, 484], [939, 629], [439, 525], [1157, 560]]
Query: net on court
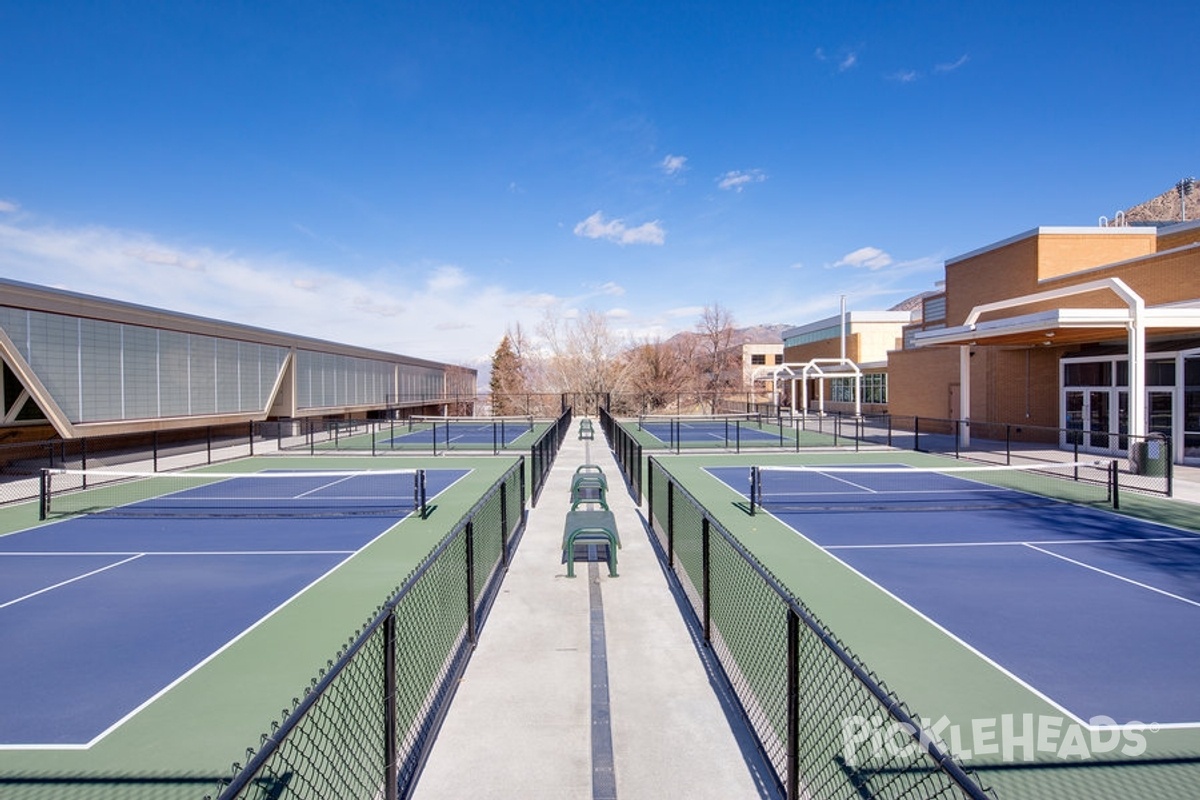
[[515, 421], [283, 493], [822, 488], [715, 421]]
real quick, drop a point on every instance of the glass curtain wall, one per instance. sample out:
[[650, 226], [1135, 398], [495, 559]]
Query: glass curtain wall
[[100, 371]]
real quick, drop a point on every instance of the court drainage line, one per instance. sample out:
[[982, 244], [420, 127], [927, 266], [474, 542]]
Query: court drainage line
[[71, 580], [604, 779]]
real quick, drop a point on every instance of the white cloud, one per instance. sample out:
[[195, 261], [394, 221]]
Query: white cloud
[[846, 60], [953, 65], [8, 207], [871, 258], [684, 311], [164, 257], [394, 309], [673, 165], [446, 278], [911, 75], [369, 305], [615, 230], [737, 180], [611, 288]]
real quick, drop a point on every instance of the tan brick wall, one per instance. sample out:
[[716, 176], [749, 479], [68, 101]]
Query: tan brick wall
[[875, 340], [1007, 386], [919, 381], [1180, 238], [829, 348], [1000, 273], [1009, 272], [1027, 265], [1165, 278], [1020, 386], [1015, 386], [1063, 253]]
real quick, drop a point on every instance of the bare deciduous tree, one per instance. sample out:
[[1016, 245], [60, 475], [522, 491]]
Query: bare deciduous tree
[[585, 357], [660, 373], [722, 364]]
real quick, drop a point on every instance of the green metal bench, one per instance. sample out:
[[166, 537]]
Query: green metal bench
[[590, 522], [586, 431], [590, 469], [590, 526], [589, 487]]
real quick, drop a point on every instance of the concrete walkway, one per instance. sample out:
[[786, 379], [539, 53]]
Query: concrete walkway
[[532, 719]]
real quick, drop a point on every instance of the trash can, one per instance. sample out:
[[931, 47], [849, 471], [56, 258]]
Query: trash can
[[1156, 455], [1150, 457]]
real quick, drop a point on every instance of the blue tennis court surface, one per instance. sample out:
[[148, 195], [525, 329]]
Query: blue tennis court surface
[[1096, 612], [479, 434], [99, 614], [709, 431]]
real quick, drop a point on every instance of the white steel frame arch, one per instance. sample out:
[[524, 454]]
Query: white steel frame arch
[[820, 368]]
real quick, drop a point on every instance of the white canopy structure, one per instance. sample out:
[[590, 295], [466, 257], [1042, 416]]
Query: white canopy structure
[[1067, 325], [798, 374]]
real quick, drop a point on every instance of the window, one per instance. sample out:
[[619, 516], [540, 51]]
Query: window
[[758, 358], [1088, 373], [778, 359], [1160, 373], [874, 388], [935, 308]]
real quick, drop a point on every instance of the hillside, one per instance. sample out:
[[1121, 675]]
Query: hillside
[[755, 334], [1168, 208]]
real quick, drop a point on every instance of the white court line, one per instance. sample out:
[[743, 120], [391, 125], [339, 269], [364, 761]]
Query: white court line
[[71, 580], [77, 553], [1002, 543], [322, 487], [1106, 573], [963, 643]]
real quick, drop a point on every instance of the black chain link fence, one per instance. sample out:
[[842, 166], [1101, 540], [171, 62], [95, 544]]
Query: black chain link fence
[[798, 686], [628, 452], [1144, 463], [367, 722]]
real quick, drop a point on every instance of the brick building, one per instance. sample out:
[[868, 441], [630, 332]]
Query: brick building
[[865, 339], [1094, 330]]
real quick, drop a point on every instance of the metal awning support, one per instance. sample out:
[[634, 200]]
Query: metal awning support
[[1134, 323], [846, 365], [814, 368], [964, 393]]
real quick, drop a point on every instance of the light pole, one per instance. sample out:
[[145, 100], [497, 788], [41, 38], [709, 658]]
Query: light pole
[[1184, 187]]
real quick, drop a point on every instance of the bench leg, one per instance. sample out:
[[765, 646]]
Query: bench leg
[[608, 541]]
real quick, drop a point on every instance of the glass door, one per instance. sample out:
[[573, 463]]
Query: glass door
[[1098, 419], [1159, 412], [1191, 407], [1073, 416]]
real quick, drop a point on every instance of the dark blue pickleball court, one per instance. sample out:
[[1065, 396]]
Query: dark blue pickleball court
[[485, 433], [715, 432], [101, 613], [1097, 612]]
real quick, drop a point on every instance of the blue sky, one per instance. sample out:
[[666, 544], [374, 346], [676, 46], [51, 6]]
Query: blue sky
[[418, 177]]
